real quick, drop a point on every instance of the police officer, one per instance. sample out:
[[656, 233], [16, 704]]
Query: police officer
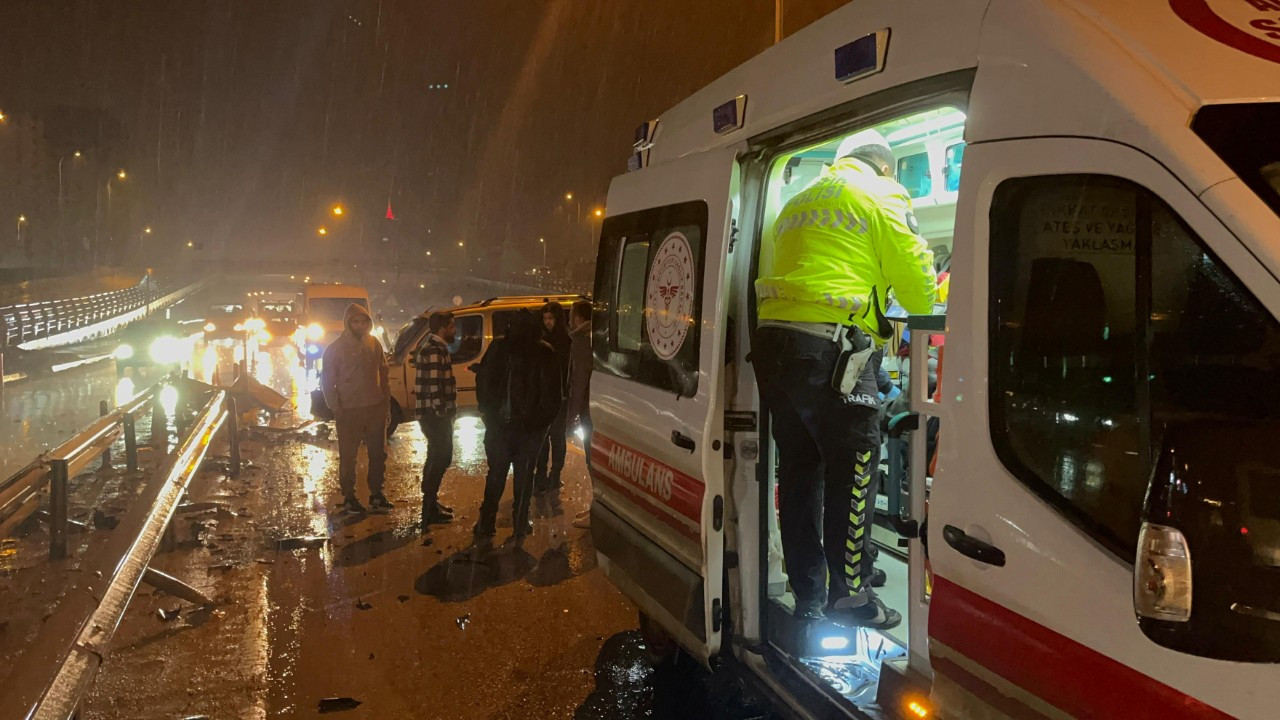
[[839, 246]]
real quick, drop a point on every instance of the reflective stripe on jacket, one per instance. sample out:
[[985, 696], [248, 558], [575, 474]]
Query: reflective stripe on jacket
[[847, 237]]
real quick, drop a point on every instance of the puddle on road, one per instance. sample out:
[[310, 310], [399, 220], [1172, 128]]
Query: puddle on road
[[629, 687]]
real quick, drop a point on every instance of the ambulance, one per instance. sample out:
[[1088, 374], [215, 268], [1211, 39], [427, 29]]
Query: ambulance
[[1099, 535]]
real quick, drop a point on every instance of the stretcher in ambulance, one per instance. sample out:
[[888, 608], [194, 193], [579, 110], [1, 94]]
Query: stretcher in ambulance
[[1099, 536]]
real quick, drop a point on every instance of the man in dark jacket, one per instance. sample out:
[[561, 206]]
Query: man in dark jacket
[[546, 483], [518, 393]]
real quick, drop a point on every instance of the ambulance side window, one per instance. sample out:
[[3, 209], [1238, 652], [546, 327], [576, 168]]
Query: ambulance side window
[[649, 296]]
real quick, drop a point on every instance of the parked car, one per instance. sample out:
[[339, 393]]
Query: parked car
[[152, 343]]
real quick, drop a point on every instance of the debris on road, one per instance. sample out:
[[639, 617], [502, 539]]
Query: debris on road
[[103, 521], [338, 704], [402, 598], [463, 621], [362, 605], [301, 542], [169, 615]]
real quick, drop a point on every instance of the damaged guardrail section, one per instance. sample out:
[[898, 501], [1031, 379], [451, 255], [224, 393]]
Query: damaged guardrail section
[[20, 493], [57, 671]]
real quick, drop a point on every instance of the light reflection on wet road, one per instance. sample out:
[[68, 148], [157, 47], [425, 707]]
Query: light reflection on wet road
[[412, 627]]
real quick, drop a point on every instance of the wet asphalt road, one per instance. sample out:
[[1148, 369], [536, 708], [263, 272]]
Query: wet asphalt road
[[407, 626]]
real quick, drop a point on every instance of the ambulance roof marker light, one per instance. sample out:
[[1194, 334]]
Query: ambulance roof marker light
[[862, 57], [730, 116]]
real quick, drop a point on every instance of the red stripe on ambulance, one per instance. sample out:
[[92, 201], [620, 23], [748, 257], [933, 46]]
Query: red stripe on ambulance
[[642, 474], [1065, 674]]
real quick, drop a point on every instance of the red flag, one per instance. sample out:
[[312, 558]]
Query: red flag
[[390, 215]]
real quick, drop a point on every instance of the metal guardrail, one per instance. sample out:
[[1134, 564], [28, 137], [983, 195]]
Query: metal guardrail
[[56, 673], [20, 493], [25, 322]]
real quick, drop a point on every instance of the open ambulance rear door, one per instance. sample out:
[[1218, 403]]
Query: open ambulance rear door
[[658, 337]]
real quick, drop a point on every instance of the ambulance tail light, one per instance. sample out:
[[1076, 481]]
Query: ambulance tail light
[[1162, 574]]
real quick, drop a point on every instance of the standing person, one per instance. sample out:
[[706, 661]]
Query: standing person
[[517, 389], [437, 401], [580, 366], [838, 247], [353, 378], [546, 482]]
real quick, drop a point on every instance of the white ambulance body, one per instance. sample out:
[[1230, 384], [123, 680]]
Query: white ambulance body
[[1114, 246]]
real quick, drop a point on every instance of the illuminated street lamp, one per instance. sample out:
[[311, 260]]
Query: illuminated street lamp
[[323, 231], [337, 210], [122, 174], [460, 243], [544, 251], [3, 117], [599, 212], [190, 244]]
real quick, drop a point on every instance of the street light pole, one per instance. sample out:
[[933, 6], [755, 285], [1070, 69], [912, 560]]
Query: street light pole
[[62, 232]]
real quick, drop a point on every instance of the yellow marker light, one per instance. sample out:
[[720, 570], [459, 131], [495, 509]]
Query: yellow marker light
[[915, 708]]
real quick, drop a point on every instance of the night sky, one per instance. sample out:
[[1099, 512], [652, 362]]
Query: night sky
[[242, 121]]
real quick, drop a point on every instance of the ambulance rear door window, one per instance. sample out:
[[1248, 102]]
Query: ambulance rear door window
[[648, 296]]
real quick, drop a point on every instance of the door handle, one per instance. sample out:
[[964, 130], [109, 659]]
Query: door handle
[[683, 441], [972, 547]]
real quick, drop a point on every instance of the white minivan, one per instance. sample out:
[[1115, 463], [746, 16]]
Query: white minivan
[[478, 325], [1102, 537]]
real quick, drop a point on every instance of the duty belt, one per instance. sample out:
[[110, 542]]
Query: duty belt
[[826, 331]]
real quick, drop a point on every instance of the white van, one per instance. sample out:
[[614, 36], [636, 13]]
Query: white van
[[1103, 528], [324, 308], [478, 325]]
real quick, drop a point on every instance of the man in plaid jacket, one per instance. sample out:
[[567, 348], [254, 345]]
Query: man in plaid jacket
[[437, 405]]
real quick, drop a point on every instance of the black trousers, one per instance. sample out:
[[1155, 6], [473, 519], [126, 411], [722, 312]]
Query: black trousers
[[554, 449], [508, 448], [828, 465], [439, 434]]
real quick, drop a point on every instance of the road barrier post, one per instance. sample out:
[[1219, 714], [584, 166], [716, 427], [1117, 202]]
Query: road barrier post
[[130, 443], [58, 500], [233, 436], [103, 410], [159, 426]]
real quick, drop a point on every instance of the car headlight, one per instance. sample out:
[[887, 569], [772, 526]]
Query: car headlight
[[264, 336], [166, 350], [210, 327], [315, 332], [124, 352], [313, 350], [239, 327]]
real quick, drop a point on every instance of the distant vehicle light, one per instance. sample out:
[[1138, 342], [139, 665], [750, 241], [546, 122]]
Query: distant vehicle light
[[239, 327], [210, 327], [166, 350], [264, 336], [124, 352], [315, 332], [313, 350]]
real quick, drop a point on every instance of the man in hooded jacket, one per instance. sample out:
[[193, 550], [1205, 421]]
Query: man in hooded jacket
[[518, 392], [353, 377]]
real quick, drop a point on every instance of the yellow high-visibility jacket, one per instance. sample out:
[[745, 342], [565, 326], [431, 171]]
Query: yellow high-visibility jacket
[[846, 238]]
